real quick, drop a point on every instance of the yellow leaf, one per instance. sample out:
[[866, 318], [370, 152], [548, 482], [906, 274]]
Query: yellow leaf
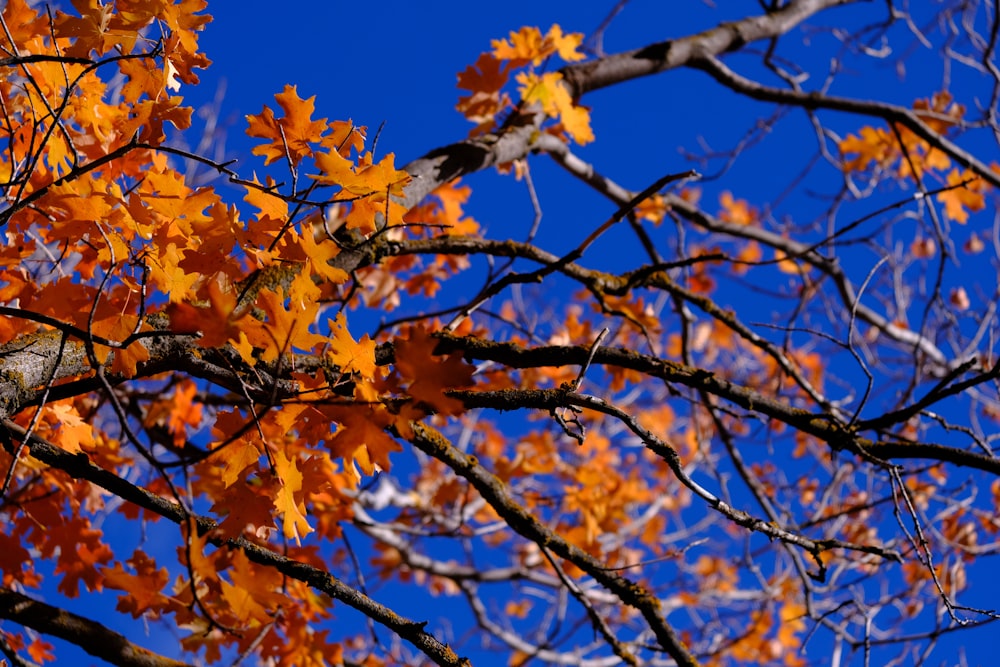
[[294, 521], [350, 356], [965, 195]]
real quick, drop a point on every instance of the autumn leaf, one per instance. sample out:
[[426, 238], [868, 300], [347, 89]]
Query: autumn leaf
[[653, 209], [973, 245], [142, 590], [521, 47], [736, 211], [255, 592], [148, 117], [923, 248], [288, 497], [98, 28], [963, 196], [959, 299], [364, 178], [144, 78], [80, 550], [234, 454], [485, 81], [445, 207], [554, 98], [287, 327], [315, 253], [217, 321], [528, 46], [246, 508], [427, 376], [871, 147], [348, 355], [790, 265], [291, 135], [72, 430]]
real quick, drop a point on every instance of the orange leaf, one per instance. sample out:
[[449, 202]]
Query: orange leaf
[[255, 592], [290, 136], [361, 439], [484, 80], [288, 498], [527, 45], [142, 589], [216, 323], [287, 328], [871, 146], [548, 91], [233, 456], [245, 509], [965, 195], [41, 651], [73, 429], [348, 355], [430, 376], [737, 211]]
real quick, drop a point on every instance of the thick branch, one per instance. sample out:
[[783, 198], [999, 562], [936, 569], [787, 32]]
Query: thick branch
[[91, 636], [819, 425], [671, 54], [465, 157]]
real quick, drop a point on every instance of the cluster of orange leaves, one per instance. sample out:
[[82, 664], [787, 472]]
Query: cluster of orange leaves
[[526, 50], [899, 152], [127, 246]]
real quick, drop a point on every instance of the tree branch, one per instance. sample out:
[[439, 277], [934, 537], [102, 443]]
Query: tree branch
[[91, 636], [465, 157], [432, 443], [815, 100], [78, 466]]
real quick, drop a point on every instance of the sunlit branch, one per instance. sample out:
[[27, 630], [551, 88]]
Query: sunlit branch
[[447, 163]]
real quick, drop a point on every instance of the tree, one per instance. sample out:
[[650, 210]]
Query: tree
[[703, 426]]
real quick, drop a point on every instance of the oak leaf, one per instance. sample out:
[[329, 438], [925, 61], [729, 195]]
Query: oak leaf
[[361, 439], [348, 355], [142, 589], [235, 453], [246, 509], [428, 376], [290, 136], [549, 92], [965, 195], [288, 497], [217, 321], [528, 46], [485, 81]]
